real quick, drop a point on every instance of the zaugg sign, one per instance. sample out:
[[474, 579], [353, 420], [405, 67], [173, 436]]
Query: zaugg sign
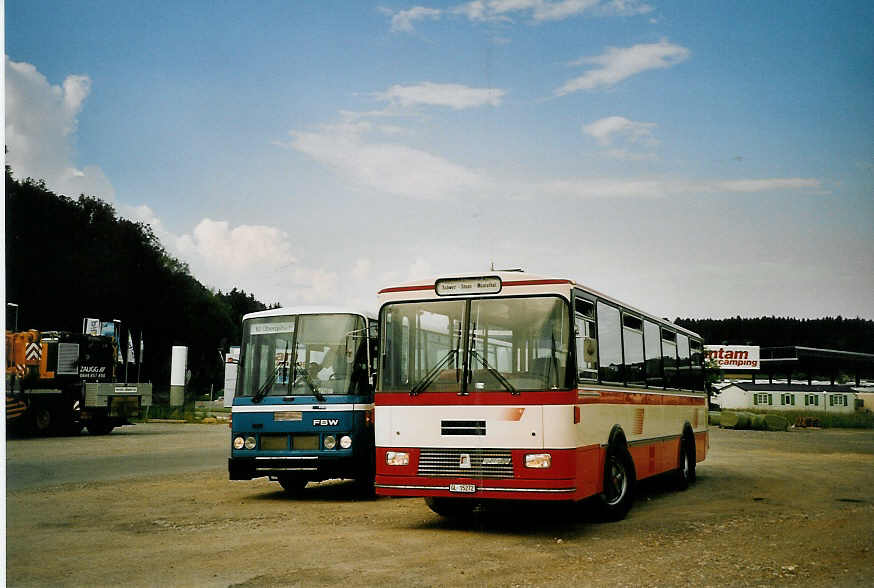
[[734, 357]]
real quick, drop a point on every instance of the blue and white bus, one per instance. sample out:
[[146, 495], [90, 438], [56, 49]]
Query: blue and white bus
[[303, 407]]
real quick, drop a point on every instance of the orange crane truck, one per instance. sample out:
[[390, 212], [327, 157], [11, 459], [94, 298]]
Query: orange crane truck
[[58, 382]]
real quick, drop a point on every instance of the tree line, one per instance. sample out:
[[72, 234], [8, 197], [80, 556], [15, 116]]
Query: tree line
[[69, 259], [846, 334]]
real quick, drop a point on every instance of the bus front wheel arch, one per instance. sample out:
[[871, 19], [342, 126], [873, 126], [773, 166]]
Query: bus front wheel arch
[[617, 494]]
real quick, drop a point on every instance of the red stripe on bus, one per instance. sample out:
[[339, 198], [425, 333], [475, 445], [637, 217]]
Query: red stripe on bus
[[536, 282], [479, 397], [641, 398], [535, 397], [514, 283], [406, 288]]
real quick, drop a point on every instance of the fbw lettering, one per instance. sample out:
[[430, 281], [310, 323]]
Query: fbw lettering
[[326, 422]]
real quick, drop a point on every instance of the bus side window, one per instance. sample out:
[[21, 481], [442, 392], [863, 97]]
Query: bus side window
[[697, 369], [632, 341], [609, 343], [669, 357], [653, 348], [683, 364], [587, 349]]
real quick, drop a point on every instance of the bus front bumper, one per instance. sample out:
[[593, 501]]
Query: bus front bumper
[[311, 467]]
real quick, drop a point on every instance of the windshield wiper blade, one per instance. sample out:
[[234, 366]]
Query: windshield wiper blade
[[309, 382], [299, 371], [498, 375], [432, 375], [262, 391]]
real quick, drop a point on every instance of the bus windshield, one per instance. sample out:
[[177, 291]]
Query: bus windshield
[[312, 355], [466, 346]]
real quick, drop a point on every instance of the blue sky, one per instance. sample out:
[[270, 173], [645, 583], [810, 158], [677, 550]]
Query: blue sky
[[693, 159]]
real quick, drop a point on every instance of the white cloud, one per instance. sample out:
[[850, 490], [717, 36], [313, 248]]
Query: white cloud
[[387, 167], [764, 185], [606, 129], [41, 123], [454, 96], [402, 21], [613, 188], [561, 10], [544, 10], [618, 64], [629, 133], [536, 11], [628, 155], [625, 7], [217, 246]]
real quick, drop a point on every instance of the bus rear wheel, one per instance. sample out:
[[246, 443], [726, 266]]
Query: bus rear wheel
[[450, 507], [686, 470], [618, 494]]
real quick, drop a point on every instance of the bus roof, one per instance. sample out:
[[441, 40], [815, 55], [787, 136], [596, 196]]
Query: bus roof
[[295, 310], [517, 278]]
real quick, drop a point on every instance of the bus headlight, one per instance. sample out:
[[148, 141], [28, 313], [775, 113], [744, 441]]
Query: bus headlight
[[330, 442], [345, 441], [397, 458], [538, 460], [250, 443], [238, 442]]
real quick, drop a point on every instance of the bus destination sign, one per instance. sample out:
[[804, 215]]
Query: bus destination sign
[[461, 286]]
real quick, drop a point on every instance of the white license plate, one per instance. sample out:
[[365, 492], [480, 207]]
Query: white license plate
[[466, 488]]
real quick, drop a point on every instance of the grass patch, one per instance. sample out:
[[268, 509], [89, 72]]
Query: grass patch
[[186, 413], [828, 420]]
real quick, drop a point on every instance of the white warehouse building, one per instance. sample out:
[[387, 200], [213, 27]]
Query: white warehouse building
[[777, 397]]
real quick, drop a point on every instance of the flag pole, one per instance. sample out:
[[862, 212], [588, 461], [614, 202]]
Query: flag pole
[[127, 352], [140, 362]]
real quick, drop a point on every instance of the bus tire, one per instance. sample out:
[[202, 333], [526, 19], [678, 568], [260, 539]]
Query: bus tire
[[618, 494], [450, 507], [364, 486], [686, 470], [293, 485]]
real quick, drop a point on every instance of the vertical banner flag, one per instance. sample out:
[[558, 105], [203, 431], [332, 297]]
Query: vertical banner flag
[[141, 348], [130, 349]]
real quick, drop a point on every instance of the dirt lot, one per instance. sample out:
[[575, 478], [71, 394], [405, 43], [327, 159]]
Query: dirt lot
[[793, 508]]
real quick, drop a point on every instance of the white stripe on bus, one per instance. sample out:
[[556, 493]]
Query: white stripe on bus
[[303, 408]]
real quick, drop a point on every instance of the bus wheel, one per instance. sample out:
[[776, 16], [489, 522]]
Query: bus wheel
[[686, 470], [364, 487], [293, 484], [450, 507], [618, 493]]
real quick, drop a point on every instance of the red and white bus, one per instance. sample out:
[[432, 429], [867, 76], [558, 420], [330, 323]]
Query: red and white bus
[[515, 386]]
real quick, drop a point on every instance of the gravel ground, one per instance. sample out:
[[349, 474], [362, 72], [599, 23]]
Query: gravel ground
[[794, 508]]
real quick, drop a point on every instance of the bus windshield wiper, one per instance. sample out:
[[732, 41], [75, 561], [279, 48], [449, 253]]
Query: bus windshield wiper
[[309, 382], [432, 375], [498, 375], [262, 391]]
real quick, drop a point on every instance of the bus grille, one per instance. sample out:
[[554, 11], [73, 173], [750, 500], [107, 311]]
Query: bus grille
[[462, 427], [483, 463]]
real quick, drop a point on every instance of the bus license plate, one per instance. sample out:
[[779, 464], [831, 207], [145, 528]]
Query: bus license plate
[[465, 488]]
